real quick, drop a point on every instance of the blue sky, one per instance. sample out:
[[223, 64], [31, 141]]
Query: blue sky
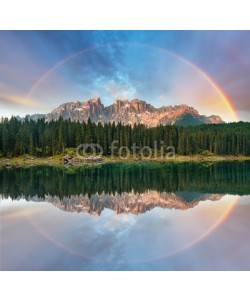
[[159, 67]]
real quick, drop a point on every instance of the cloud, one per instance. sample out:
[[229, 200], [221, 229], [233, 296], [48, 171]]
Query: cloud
[[165, 99], [117, 64], [21, 100], [120, 90]]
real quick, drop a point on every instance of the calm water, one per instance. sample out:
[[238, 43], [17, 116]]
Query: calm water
[[126, 217]]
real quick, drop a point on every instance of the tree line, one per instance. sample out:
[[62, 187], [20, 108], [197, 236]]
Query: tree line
[[41, 138], [221, 178]]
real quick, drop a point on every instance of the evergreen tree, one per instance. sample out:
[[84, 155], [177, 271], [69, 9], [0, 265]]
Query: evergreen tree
[[49, 138]]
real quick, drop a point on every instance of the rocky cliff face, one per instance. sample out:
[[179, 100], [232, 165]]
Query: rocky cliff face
[[125, 203], [129, 112]]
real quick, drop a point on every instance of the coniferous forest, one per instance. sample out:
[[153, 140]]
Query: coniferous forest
[[41, 138], [222, 178]]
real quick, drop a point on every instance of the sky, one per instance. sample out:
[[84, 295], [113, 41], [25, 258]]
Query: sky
[[209, 70]]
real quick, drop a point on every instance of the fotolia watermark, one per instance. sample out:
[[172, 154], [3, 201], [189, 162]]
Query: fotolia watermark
[[93, 150]]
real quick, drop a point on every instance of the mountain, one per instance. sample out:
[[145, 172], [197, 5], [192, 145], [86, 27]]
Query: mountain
[[129, 112], [125, 203]]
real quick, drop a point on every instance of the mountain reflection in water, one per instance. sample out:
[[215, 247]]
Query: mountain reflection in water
[[134, 188]]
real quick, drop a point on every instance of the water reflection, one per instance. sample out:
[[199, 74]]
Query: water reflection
[[150, 217], [134, 188]]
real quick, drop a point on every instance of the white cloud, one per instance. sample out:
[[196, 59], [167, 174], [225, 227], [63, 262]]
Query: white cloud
[[120, 90]]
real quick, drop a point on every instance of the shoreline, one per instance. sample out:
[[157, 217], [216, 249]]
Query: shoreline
[[57, 161]]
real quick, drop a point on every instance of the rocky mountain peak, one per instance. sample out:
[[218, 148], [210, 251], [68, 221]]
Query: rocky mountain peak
[[129, 112], [184, 108], [92, 102], [128, 203]]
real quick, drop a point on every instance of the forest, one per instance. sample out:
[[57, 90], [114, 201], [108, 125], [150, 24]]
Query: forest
[[222, 178], [41, 138]]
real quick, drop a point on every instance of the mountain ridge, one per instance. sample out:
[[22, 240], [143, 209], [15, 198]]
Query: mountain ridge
[[128, 112], [127, 203]]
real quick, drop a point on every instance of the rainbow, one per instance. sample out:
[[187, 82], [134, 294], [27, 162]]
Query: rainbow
[[226, 100], [197, 240], [228, 211]]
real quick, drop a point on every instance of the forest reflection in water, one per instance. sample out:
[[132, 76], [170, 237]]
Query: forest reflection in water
[[123, 188]]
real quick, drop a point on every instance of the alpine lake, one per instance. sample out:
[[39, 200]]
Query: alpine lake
[[117, 216]]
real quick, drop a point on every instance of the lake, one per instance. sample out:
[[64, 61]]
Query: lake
[[136, 216]]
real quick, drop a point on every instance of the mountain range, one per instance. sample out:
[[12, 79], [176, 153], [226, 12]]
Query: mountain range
[[128, 112], [125, 203]]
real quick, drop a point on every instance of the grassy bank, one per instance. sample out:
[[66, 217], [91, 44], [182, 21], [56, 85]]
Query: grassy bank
[[58, 160]]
